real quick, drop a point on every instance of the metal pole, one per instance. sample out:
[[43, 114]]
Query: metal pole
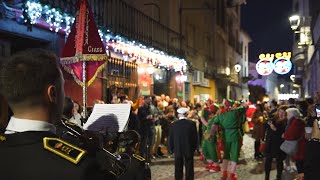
[[180, 28], [84, 88]]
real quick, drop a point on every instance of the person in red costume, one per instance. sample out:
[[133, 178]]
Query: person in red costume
[[249, 113], [295, 131]]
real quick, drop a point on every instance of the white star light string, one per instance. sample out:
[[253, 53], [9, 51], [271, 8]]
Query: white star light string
[[58, 21]]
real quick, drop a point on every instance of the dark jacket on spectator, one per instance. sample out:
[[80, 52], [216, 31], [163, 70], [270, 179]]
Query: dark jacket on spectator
[[274, 139], [312, 161]]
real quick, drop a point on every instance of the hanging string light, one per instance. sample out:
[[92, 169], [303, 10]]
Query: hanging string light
[[34, 11]]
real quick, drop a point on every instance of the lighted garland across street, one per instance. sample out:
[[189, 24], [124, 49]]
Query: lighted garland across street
[[35, 13], [281, 66]]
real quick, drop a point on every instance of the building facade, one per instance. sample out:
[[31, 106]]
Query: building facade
[[209, 39], [315, 38], [184, 49], [244, 64], [305, 53]]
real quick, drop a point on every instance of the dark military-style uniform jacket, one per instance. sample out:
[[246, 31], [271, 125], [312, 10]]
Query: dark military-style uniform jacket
[[137, 170], [39, 155]]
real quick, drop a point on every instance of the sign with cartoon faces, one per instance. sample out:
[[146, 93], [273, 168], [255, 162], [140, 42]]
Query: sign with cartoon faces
[[264, 67], [282, 66]]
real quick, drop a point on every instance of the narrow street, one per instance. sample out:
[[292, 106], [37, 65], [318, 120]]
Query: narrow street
[[248, 169]]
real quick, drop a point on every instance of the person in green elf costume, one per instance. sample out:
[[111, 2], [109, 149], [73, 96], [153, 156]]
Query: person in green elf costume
[[205, 114], [209, 146], [242, 118], [228, 119]]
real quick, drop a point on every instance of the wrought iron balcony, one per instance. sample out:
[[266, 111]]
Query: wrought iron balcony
[[125, 20]]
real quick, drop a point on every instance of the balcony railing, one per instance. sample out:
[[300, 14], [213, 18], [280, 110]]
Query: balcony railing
[[123, 19]]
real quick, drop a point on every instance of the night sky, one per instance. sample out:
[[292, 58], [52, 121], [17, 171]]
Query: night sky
[[266, 21]]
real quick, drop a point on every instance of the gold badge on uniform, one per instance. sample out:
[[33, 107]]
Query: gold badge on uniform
[[70, 123], [63, 149], [138, 157]]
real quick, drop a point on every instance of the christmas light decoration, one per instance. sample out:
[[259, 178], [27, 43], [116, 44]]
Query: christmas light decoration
[[282, 66], [34, 11], [264, 67], [132, 50]]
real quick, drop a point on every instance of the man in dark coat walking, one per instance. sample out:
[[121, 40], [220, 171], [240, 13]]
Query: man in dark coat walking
[[183, 143]]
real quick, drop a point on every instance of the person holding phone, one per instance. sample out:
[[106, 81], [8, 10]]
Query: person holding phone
[[312, 155]]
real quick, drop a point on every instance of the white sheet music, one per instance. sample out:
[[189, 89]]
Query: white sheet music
[[110, 117]]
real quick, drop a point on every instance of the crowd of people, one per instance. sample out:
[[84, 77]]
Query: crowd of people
[[46, 130], [157, 120], [287, 132]]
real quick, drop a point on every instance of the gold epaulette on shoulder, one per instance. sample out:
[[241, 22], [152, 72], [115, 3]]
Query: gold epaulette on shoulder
[[70, 123], [2, 138], [138, 157], [64, 149]]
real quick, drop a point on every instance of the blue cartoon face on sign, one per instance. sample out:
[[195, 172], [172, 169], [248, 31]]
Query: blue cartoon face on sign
[[264, 67], [282, 66]]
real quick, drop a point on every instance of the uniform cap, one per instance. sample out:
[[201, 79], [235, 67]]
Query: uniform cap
[[182, 110]]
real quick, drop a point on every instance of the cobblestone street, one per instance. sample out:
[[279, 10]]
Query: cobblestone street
[[248, 169]]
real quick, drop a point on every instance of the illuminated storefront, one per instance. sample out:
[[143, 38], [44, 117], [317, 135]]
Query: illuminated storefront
[[203, 93]]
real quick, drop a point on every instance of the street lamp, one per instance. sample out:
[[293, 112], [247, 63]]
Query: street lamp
[[294, 22], [292, 77], [237, 68]]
